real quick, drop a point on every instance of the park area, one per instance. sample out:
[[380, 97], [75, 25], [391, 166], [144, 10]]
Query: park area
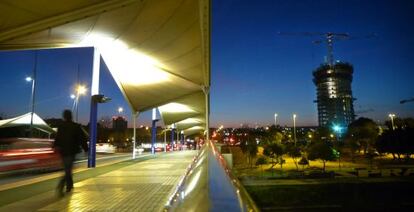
[[346, 183]]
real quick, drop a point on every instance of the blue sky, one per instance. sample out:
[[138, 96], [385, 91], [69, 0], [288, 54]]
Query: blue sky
[[255, 71]]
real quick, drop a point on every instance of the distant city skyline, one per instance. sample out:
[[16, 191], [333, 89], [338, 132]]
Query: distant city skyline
[[255, 72]]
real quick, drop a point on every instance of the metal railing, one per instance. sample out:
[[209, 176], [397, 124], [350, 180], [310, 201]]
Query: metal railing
[[209, 185]]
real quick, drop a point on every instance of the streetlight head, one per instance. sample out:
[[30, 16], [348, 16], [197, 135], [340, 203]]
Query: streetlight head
[[120, 110], [81, 90], [72, 96], [275, 114], [391, 115], [337, 128], [29, 79], [294, 115]]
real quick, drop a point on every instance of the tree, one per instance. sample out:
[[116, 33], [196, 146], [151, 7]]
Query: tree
[[294, 152], [322, 151], [278, 150], [321, 134], [362, 134], [397, 142], [251, 151], [268, 152], [260, 162], [275, 151], [304, 162]]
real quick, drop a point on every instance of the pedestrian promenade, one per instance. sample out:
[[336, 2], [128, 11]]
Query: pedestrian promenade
[[141, 186]]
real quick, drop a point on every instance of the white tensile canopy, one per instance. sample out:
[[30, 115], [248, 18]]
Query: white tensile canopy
[[158, 51], [24, 120]]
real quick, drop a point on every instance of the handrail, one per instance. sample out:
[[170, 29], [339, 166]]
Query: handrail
[[209, 185]]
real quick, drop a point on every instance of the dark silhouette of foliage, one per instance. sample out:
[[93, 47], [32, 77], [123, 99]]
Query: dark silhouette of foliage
[[362, 134], [303, 162], [276, 152], [397, 142], [321, 151], [260, 162], [294, 152]]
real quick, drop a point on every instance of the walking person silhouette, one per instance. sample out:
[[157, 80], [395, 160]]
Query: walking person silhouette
[[70, 138]]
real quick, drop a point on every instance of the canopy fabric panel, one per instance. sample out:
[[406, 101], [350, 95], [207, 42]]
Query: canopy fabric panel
[[156, 50], [194, 130], [190, 122], [183, 108], [24, 120]]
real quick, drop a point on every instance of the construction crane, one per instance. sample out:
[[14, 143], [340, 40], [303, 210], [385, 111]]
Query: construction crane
[[406, 100], [328, 38]]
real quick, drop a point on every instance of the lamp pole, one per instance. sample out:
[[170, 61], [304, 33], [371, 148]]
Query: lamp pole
[[33, 80], [275, 119], [80, 90], [33, 102], [294, 128], [392, 120]]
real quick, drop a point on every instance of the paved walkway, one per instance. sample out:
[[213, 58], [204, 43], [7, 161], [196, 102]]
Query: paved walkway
[[142, 186]]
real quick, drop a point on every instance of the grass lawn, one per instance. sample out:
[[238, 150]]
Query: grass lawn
[[351, 195]]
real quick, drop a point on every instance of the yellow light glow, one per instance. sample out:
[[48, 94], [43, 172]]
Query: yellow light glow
[[190, 121], [193, 129], [175, 108], [128, 66], [80, 90]]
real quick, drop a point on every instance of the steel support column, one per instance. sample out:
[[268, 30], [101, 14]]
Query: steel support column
[[172, 138], [134, 139], [94, 109]]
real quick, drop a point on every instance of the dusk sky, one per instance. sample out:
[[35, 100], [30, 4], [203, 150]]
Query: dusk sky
[[255, 72]]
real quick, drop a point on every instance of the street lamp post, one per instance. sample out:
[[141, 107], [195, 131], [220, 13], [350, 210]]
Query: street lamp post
[[294, 128], [391, 115], [32, 98], [79, 91], [275, 119]]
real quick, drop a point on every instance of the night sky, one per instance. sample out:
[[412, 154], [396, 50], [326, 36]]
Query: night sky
[[255, 71]]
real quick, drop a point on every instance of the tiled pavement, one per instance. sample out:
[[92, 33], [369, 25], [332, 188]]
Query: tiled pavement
[[143, 186]]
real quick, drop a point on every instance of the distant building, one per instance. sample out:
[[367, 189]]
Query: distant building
[[334, 95], [119, 123]]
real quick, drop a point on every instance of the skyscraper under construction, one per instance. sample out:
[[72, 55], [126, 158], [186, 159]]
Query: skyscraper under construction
[[334, 95]]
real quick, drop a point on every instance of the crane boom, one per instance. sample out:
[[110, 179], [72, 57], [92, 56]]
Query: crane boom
[[328, 37], [406, 100]]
